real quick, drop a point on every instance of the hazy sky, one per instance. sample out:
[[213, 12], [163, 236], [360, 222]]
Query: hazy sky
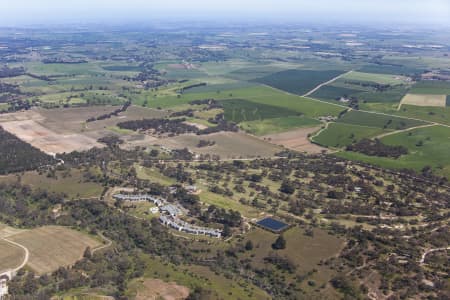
[[16, 12]]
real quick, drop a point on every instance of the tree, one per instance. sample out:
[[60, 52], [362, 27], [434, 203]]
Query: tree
[[280, 243], [226, 230], [87, 253], [249, 245], [287, 187]]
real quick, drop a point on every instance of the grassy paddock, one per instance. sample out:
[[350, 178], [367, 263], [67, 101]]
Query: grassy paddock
[[426, 146], [52, 247], [340, 134], [276, 125]]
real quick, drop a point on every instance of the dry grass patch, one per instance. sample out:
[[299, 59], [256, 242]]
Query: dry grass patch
[[296, 140], [11, 256], [156, 289], [424, 100], [52, 247], [228, 145]]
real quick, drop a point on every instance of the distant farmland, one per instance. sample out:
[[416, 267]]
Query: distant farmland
[[298, 81]]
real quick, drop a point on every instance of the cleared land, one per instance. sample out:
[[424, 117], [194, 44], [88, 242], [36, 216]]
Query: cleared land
[[65, 130], [155, 289], [52, 247], [296, 140], [424, 100], [228, 145], [11, 256], [47, 140], [276, 125]]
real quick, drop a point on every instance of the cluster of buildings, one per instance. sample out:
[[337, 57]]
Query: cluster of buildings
[[170, 214], [183, 226]]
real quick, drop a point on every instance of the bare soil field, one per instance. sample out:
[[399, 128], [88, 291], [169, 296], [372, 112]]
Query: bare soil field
[[155, 289], [47, 140], [296, 140], [52, 247], [228, 145], [11, 256], [65, 129], [424, 100]]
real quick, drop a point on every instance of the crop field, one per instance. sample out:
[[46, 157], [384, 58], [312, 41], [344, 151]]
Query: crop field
[[340, 134], [379, 121], [389, 69], [258, 94], [433, 114], [376, 78], [239, 110], [424, 100], [276, 125], [228, 145], [342, 88], [52, 247], [427, 147], [297, 140], [65, 129], [332, 92], [11, 256], [431, 88], [46, 140], [298, 81]]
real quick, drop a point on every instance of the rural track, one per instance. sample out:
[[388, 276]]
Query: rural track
[[424, 255], [403, 130], [26, 258], [326, 83], [108, 244]]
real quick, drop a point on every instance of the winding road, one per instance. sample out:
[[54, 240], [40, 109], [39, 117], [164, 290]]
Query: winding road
[[424, 255]]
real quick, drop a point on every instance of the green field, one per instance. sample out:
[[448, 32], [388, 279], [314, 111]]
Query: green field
[[372, 77], [431, 88], [391, 69], [433, 114], [275, 125], [379, 121], [239, 110], [258, 95], [340, 135], [297, 81], [427, 147]]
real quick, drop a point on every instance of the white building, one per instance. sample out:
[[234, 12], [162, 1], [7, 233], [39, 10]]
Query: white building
[[4, 278]]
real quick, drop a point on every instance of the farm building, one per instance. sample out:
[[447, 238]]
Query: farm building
[[192, 189], [172, 210], [272, 225], [188, 228], [140, 198]]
